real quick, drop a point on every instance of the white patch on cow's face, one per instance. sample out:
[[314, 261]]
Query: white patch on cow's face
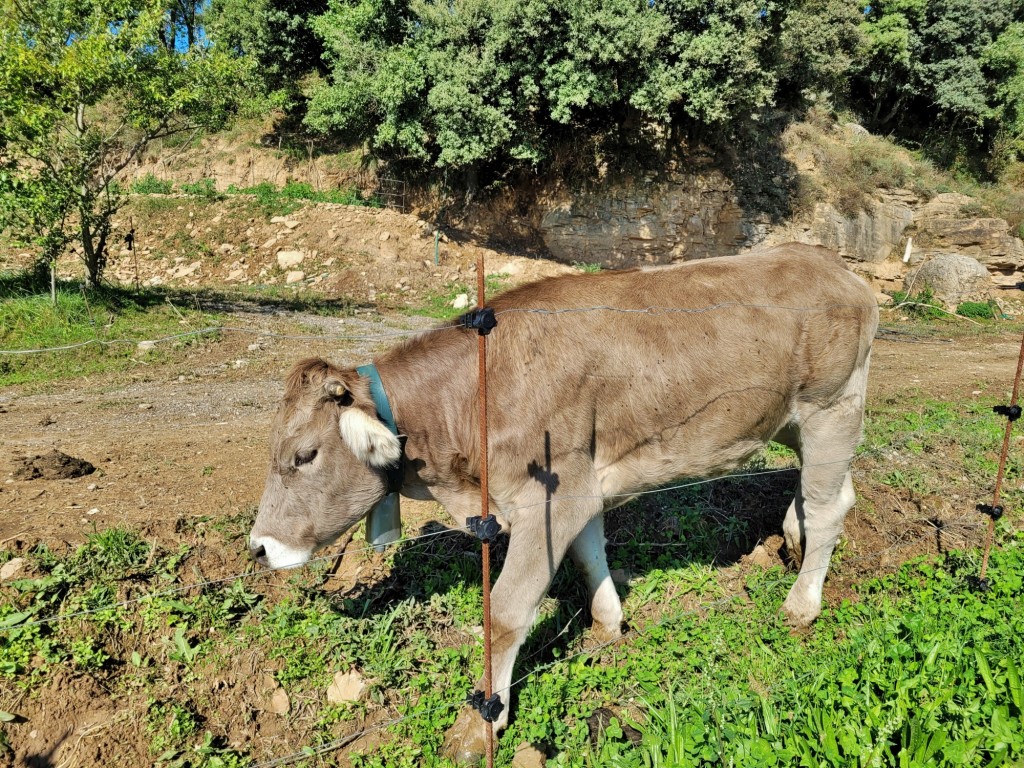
[[368, 438], [278, 554]]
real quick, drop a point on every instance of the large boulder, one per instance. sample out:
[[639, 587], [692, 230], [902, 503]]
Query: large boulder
[[952, 278]]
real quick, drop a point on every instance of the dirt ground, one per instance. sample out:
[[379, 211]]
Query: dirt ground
[[178, 445]]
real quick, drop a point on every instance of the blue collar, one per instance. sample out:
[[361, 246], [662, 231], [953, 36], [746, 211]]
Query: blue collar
[[380, 402], [380, 397]]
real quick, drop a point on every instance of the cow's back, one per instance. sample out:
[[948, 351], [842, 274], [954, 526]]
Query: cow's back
[[680, 370]]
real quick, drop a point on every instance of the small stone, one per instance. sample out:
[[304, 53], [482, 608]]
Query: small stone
[[291, 224], [145, 406], [11, 568], [347, 686], [528, 756], [236, 274], [461, 301], [93, 511], [296, 276], [288, 259], [255, 347], [278, 219], [145, 346], [385, 236], [91, 487]]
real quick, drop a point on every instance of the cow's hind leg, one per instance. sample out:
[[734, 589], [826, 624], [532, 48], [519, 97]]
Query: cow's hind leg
[[605, 607], [536, 548], [828, 439]]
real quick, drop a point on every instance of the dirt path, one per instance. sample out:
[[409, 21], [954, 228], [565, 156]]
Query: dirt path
[[172, 446]]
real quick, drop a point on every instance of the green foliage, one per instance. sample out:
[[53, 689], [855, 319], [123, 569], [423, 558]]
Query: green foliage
[[503, 83], [922, 671], [151, 185], [275, 34], [84, 87], [946, 74], [204, 188], [287, 199], [922, 304], [983, 310]]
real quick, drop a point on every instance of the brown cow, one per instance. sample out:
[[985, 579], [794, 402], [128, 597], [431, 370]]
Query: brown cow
[[600, 386]]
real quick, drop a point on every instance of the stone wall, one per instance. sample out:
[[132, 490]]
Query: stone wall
[[647, 221]]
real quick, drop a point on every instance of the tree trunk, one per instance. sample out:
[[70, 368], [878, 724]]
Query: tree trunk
[[92, 264]]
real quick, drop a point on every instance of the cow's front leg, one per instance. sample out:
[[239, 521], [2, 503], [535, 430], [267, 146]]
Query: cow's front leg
[[536, 547]]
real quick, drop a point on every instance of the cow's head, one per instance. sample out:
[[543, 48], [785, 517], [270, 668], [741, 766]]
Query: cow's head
[[328, 458]]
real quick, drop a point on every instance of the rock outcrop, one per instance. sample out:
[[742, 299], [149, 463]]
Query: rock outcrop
[[943, 227], [696, 215], [648, 221]]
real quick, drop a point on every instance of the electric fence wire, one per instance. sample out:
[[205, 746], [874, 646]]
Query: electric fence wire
[[394, 334], [248, 574]]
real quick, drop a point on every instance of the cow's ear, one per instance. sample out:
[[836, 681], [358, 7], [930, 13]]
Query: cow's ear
[[368, 438]]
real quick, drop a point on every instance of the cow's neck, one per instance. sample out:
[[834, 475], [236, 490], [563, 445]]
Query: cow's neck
[[431, 387]]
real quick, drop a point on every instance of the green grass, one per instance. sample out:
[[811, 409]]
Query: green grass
[[29, 320], [204, 188], [439, 305], [921, 671], [287, 199], [151, 185]]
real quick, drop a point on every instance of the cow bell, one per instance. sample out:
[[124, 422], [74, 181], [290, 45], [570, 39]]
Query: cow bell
[[384, 523]]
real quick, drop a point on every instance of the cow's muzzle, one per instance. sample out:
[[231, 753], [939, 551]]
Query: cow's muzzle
[[258, 552]]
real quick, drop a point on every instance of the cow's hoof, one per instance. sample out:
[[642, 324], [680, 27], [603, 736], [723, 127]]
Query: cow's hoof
[[601, 634], [800, 615], [466, 741]]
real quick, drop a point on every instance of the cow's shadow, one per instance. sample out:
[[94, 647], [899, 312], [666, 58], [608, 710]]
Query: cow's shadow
[[710, 523]]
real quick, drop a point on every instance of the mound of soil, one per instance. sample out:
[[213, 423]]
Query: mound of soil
[[52, 466]]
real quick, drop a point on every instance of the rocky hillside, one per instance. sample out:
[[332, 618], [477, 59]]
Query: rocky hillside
[[881, 207]]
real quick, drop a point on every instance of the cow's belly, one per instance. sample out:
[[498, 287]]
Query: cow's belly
[[652, 465]]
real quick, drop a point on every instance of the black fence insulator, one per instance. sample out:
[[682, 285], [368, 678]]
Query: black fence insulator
[[1012, 412], [489, 709], [486, 529], [978, 584], [481, 320], [995, 512]]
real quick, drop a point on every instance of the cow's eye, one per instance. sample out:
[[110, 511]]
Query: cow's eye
[[304, 457]]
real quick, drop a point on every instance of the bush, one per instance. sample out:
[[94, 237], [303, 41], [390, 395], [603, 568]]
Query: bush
[[205, 188], [984, 310], [922, 304], [151, 185], [283, 201]]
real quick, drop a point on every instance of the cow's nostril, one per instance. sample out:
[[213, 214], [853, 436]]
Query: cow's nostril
[[258, 553]]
